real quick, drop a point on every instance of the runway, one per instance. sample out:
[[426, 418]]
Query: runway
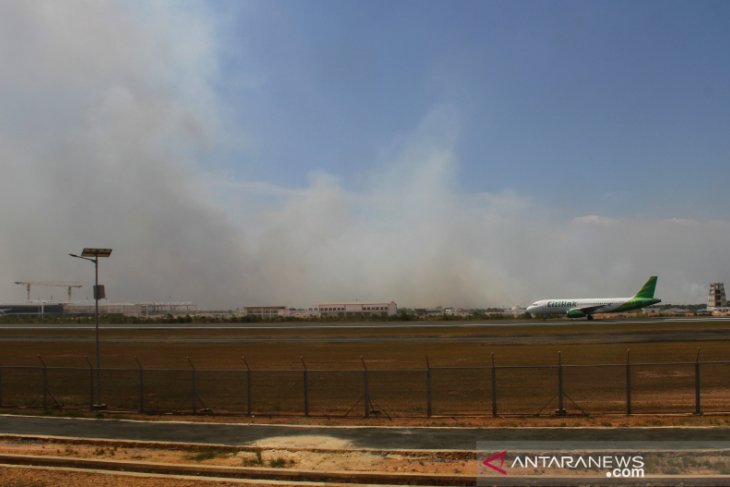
[[354, 325], [635, 337], [524, 332]]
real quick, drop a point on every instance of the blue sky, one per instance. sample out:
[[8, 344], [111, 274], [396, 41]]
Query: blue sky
[[465, 153], [618, 108]]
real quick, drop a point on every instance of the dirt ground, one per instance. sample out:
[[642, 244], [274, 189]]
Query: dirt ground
[[301, 453], [39, 477], [314, 453], [311, 453]]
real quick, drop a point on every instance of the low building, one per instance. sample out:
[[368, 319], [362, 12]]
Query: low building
[[266, 312], [302, 313], [39, 309], [358, 309], [126, 309], [168, 308]]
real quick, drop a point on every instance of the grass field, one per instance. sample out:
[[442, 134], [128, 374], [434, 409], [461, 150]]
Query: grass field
[[398, 383], [394, 347]]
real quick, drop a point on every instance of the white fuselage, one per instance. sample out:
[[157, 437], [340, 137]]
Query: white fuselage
[[553, 306]]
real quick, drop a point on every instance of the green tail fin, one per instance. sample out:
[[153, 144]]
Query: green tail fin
[[647, 290]]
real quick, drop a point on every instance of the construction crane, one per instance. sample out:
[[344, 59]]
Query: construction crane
[[68, 285]]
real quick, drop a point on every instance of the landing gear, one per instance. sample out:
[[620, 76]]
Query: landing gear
[[589, 317]]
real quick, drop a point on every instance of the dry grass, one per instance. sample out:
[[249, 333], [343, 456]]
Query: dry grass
[[398, 347], [397, 369]]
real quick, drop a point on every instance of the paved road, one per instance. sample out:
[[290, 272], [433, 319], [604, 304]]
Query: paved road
[[385, 438]]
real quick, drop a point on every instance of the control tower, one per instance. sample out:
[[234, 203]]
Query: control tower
[[716, 297]]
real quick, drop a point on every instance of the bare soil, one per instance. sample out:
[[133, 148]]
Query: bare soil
[[312, 453], [41, 477]]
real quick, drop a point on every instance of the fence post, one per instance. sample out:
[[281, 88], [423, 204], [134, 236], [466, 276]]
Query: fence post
[[698, 386], [305, 373], [45, 383], [194, 389], [494, 388], [366, 388], [628, 383], [561, 404], [429, 409], [91, 383], [248, 386], [141, 385]]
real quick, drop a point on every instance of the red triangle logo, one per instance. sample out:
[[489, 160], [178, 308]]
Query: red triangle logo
[[497, 456]]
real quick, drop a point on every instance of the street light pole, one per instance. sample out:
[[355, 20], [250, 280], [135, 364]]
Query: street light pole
[[92, 255], [96, 313]]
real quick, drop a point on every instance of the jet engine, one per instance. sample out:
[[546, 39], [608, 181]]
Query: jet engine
[[575, 313]]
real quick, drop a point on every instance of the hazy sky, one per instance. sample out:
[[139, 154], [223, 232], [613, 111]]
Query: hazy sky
[[466, 153]]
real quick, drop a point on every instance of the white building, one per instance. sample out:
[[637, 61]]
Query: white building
[[358, 309]]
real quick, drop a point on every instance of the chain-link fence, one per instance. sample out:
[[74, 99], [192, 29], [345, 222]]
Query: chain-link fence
[[497, 390]]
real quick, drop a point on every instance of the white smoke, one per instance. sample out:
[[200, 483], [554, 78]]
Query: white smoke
[[107, 109], [413, 236], [108, 115]]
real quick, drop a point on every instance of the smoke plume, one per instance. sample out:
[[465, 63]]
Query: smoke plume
[[109, 114]]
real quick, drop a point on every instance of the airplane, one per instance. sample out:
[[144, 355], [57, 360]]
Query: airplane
[[580, 308]]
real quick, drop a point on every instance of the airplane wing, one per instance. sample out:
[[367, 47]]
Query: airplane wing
[[591, 309]]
